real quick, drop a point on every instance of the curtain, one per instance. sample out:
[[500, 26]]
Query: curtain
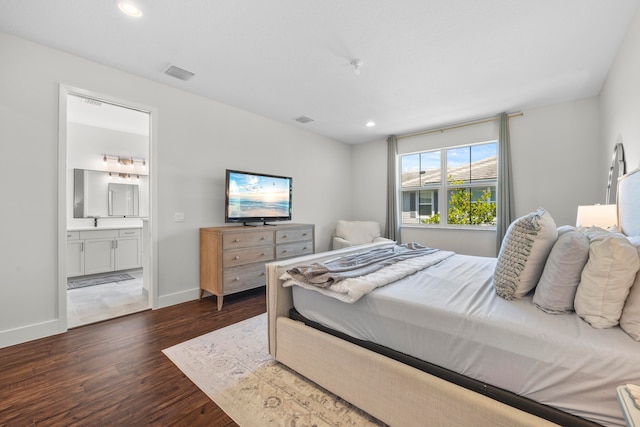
[[393, 232], [505, 209]]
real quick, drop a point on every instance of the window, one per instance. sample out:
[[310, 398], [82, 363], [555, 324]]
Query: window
[[467, 187]]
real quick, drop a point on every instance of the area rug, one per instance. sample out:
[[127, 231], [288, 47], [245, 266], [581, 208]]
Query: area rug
[[92, 281], [233, 367]]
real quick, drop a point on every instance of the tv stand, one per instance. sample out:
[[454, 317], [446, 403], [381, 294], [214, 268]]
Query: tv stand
[[232, 258]]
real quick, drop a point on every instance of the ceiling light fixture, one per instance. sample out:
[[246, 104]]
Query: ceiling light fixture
[[130, 9], [370, 124], [356, 64]]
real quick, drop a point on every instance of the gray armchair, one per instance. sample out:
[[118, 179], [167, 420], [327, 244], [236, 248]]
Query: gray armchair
[[353, 233]]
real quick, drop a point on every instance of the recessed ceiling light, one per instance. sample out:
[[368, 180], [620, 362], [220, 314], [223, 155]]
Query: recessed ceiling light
[[130, 9], [370, 124]]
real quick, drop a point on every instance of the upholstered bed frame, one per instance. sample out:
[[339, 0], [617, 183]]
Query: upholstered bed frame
[[392, 391]]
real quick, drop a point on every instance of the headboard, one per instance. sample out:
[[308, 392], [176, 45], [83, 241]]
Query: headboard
[[628, 200]]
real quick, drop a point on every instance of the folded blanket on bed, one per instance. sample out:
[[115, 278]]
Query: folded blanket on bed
[[324, 274], [351, 277]]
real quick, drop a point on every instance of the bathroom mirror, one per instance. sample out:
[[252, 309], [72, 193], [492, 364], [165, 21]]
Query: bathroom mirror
[[616, 170], [123, 199], [98, 194]]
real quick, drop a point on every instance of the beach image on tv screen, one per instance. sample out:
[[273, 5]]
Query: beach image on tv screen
[[252, 196]]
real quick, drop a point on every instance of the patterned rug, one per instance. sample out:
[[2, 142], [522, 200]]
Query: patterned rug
[[233, 367], [101, 280]]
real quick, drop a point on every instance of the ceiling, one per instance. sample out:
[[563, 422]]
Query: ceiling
[[425, 63]]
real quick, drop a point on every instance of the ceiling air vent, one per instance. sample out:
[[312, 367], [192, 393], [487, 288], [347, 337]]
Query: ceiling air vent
[[304, 120], [178, 73], [92, 102]]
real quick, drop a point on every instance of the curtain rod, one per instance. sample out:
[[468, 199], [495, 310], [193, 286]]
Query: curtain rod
[[461, 125]]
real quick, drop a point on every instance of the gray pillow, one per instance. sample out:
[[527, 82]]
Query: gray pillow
[[557, 287], [523, 253]]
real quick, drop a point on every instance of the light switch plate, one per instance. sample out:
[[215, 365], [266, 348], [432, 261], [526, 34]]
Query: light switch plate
[[179, 216]]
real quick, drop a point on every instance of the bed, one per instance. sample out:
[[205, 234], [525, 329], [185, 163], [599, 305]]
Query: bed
[[497, 361]]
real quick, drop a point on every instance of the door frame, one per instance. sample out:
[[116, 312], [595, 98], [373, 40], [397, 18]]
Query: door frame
[[150, 253]]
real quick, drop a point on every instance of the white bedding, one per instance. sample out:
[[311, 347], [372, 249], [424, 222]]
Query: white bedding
[[450, 315]]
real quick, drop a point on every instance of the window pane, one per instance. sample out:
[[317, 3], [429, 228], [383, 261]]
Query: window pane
[[430, 168], [484, 161], [410, 171], [458, 170], [428, 204], [409, 210], [471, 206]]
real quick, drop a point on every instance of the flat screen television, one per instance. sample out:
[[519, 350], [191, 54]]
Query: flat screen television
[[257, 197]]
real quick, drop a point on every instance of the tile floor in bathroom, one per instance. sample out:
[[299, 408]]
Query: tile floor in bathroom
[[96, 303]]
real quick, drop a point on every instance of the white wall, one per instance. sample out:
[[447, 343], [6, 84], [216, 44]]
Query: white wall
[[197, 139], [620, 102], [555, 156]]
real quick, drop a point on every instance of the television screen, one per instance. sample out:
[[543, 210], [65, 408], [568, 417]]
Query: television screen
[[257, 197]]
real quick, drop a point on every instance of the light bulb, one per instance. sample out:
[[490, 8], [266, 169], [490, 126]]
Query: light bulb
[[130, 9]]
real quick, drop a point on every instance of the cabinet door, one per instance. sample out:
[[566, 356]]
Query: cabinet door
[[75, 258], [98, 255], [127, 253]]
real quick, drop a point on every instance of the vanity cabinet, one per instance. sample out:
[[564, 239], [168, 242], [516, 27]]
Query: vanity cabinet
[[232, 258], [100, 251], [75, 254]]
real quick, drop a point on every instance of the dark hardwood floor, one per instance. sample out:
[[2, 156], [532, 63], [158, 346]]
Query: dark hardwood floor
[[114, 373]]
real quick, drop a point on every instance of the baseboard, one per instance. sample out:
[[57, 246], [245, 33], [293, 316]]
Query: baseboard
[[29, 333], [178, 297]]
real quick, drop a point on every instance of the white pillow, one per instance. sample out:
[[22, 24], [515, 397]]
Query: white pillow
[[523, 254], [557, 287], [630, 319], [606, 279]]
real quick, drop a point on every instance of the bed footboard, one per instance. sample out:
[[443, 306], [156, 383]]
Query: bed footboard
[[391, 391]]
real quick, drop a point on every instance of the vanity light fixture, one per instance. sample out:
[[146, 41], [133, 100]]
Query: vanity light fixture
[[119, 162], [129, 9]]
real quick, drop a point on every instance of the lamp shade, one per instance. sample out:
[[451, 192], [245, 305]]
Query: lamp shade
[[603, 216]]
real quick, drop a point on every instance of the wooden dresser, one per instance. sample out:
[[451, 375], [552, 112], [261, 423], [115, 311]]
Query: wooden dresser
[[232, 258]]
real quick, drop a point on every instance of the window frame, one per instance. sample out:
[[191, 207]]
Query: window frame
[[443, 188]]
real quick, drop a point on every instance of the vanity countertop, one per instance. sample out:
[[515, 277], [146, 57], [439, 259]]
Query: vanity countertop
[[119, 227]]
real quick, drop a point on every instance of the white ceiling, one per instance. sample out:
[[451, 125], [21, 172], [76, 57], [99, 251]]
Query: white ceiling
[[425, 62]]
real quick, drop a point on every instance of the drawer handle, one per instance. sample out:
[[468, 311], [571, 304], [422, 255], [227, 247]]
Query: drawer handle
[[262, 274], [304, 234], [262, 238], [284, 236], [262, 254], [237, 279], [284, 251], [237, 257], [237, 240]]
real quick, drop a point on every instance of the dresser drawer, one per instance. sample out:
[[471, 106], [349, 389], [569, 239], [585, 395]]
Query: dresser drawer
[[235, 257], [294, 249], [293, 235], [243, 277], [246, 239]]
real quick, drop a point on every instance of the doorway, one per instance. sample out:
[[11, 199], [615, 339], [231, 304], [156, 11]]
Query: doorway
[[107, 212]]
